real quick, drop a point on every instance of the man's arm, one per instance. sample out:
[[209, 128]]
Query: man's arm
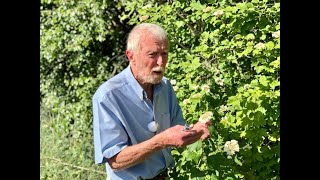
[[174, 136]]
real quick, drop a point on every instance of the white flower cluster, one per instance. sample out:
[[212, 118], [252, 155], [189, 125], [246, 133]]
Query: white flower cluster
[[207, 9], [231, 147], [246, 86], [147, 6], [218, 13], [276, 34], [173, 82], [223, 108], [143, 18], [206, 117], [186, 101], [260, 45], [206, 88], [219, 81]]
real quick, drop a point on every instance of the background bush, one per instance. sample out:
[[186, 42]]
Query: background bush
[[222, 54], [81, 45]]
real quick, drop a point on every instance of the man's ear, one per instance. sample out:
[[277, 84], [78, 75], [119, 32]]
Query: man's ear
[[129, 54]]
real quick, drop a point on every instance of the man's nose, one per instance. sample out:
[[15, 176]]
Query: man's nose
[[160, 60]]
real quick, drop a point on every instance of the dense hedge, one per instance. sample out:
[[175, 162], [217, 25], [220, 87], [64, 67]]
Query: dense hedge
[[224, 58], [81, 46]]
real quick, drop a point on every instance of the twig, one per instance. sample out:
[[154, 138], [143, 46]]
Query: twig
[[67, 164]]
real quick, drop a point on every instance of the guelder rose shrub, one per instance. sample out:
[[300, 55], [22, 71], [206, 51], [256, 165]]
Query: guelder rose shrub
[[224, 65]]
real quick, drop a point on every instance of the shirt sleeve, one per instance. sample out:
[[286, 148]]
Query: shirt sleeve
[[176, 112], [110, 136]]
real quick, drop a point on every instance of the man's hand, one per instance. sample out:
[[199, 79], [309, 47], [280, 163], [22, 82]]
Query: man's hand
[[178, 137], [200, 126]]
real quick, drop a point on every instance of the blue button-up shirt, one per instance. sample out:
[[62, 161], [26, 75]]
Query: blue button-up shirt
[[121, 114]]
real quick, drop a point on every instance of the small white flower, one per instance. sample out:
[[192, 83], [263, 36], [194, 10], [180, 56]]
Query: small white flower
[[206, 88], [218, 13], [186, 101], [231, 147], [196, 96], [223, 108], [206, 117], [143, 18], [276, 34], [219, 81], [153, 126], [207, 9], [175, 88], [246, 86], [260, 45], [173, 81], [147, 6]]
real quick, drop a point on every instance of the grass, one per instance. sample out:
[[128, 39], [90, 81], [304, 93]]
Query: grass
[[61, 158]]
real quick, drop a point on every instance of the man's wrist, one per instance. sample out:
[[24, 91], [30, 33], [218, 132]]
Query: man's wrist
[[159, 141]]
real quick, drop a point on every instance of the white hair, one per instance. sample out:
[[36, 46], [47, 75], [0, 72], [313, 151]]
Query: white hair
[[139, 30]]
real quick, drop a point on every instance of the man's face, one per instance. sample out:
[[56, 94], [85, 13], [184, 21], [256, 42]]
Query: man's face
[[150, 59]]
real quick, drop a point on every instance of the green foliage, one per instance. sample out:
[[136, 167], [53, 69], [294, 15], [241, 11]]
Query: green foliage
[[81, 46], [60, 158], [223, 53]]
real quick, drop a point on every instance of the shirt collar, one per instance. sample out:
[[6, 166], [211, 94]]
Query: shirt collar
[[137, 87]]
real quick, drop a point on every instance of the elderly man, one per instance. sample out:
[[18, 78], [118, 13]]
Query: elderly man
[[136, 116]]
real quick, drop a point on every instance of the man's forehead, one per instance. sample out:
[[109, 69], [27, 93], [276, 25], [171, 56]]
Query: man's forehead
[[154, 44]]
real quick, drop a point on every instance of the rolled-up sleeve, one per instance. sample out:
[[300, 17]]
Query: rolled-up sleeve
[[110, 136]]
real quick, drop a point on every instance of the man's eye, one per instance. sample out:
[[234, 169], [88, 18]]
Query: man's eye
[[164, 54]]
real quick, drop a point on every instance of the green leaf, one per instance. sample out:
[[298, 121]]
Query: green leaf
[[194, 156], [270, 45], [195, 146], [260, 68], [263, 37], [196, 62], [234, 101], [274, 84], [205, 16], [263, 80], [197, 5], [275, 63], [250, 36], [259, 119], [175, 152], [262, 110], [247, 50], [179, 24], [236, 160], [243, 133], [214, 177]]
